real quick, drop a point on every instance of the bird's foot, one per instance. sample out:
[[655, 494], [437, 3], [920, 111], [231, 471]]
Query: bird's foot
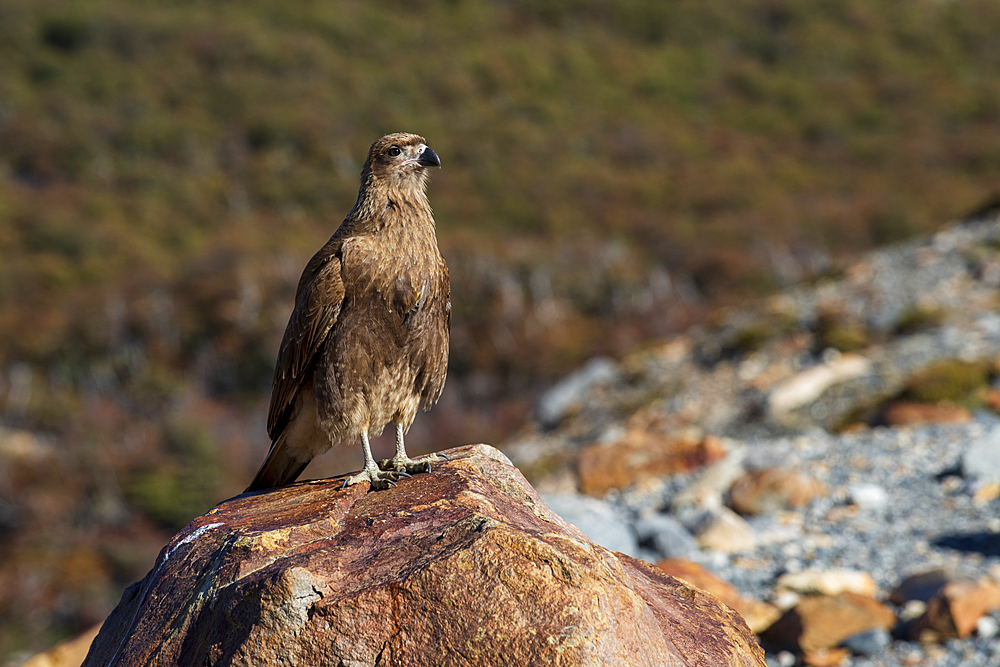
[[378, 479], [401, 464]]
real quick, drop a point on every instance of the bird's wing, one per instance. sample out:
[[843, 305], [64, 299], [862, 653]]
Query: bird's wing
[[317, 306], [438, 331]]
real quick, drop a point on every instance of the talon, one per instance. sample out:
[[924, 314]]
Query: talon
[[344, 486], [444, 456], [406, 466]]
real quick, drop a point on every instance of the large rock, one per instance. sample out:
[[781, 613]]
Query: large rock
[[462, 566]]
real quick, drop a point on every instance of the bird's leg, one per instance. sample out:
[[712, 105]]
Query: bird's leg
[[400, 447], [403, 463], [379, 479]]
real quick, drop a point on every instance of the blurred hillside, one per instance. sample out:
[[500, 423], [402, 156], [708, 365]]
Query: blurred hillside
[[611, 173]]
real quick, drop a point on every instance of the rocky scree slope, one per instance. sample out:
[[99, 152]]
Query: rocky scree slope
[[839, 439]]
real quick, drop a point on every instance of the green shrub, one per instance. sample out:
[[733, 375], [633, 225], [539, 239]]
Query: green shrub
[[918, 319], [183, 486], [951, 380], [834, 329]]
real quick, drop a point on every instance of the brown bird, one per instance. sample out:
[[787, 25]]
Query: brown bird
[[367, 341]]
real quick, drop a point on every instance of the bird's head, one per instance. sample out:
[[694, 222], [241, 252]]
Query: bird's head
[[400, 161]]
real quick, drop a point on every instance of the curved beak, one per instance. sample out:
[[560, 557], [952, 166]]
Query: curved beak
[[428, 158]]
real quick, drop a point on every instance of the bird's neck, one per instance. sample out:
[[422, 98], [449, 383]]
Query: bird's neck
[[376, 198]]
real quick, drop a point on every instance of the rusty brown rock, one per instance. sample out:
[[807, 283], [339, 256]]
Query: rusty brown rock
[[992, 398], [955, 609], [697, 575], [463, 566], [644, 452], [772, 489], [758, 615], [822, 622], [904, 413]]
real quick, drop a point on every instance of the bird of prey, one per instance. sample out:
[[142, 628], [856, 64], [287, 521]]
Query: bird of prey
[[367, 341]]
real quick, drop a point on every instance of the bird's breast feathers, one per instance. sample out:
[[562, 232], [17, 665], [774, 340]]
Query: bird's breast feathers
[[398, 268]]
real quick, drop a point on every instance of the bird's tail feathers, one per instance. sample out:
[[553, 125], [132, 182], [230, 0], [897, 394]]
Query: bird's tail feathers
[[278, 469]]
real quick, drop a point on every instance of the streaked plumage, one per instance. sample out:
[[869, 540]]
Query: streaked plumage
[[367, 341]]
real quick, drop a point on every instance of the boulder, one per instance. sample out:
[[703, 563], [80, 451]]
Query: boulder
[[461, 566]]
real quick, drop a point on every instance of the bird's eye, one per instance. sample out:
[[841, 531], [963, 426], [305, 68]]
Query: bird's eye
[[394, 151]]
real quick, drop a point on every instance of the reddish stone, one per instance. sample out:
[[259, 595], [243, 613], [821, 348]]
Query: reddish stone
[[992, 399], [643, 453], [697, 575], [955, 609], [773, 489], [463, 566], [906, 414], [822, 622], [758, 615]]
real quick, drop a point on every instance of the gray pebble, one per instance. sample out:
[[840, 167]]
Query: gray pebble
[[869, 642], [982, 459], [667, 535]]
